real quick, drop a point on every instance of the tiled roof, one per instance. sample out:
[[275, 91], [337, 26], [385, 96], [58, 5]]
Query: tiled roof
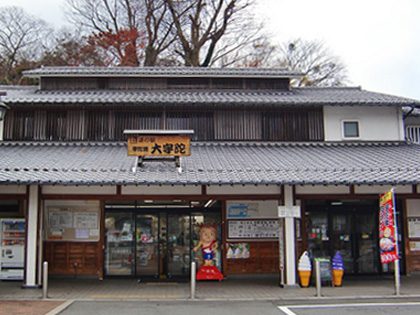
[[297, 96], [161, 72], [213, 163]]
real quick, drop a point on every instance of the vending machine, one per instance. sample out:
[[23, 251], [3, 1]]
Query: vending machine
[[12, 248]]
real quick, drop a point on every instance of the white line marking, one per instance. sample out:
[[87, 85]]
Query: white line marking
[[60, 308], [285, 310], [348, 305]]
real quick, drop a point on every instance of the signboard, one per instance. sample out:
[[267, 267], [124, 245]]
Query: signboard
[[289, 211], [414, 246], [414, 227], [72, 224], [159, 145], [238, 251], [253, 229], [241, 210], [325, 269], [387, 230]]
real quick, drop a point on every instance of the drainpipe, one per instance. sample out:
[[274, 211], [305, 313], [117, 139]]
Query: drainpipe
[[3, 110]]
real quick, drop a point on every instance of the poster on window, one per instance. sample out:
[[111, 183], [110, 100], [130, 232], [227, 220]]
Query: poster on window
[[387, 230], [238, 251]]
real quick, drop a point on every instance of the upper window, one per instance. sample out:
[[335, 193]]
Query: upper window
[[351, 129]]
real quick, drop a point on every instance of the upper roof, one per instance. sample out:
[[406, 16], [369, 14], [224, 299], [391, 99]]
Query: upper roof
[[191, 72], [31, 95], [213, 163]]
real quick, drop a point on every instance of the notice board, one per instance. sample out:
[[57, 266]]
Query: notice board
[[72, 224], [414, 227], [253, 229]]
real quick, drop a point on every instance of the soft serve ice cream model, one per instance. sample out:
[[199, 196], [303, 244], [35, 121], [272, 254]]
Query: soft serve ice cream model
[[304, 269], [337, 269]]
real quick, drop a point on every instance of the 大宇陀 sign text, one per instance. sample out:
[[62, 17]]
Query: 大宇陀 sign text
[[159, 145]]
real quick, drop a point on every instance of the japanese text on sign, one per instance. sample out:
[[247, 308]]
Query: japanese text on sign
[[159, 146], [387, 236]]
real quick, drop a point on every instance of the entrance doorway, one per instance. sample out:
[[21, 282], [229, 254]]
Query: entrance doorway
[[347, 226], [152, 244]]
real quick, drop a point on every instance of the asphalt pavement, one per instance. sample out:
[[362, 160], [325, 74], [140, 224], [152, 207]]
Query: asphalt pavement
[[240, 308]]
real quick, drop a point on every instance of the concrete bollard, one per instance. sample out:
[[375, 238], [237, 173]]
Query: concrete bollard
[[45, 280], [193, 280]]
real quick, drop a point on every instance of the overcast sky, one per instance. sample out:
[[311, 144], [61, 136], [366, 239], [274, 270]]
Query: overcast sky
[[378, 40]]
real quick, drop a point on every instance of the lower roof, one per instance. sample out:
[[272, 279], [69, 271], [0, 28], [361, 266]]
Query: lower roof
[[213, 163]]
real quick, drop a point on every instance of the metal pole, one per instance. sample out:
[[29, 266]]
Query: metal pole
[[397, 261], [193, 280], [318, 278], [45, 280], [397, 276]]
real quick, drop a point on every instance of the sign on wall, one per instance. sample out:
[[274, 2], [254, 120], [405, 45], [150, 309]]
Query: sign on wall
[[414, 227], [238, 251], [253, 229], [159, 145], [242, 210], [289, 211], [72, 224], [251, 209]]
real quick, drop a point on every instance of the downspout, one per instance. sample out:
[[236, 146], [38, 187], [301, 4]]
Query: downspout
[[3, 110]]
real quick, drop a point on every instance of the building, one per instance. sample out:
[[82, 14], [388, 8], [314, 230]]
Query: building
[[412, 124], [318, 157]]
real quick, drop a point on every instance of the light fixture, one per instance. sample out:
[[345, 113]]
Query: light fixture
[[3, 110], [208, 203]]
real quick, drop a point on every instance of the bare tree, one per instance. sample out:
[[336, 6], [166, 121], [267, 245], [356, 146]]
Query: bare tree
[[149, 18], [159, 30], [109, 17], [72, 49], [317, 64], [210, 30], [257, 54], [22, 38]]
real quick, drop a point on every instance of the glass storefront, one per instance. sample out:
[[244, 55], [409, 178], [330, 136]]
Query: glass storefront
[[348, 226], [154, 243]]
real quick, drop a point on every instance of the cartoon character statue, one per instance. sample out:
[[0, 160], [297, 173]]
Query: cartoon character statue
[[208, 245]]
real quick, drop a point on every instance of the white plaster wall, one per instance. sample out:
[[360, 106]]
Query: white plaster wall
[[161, 190], [378, 189], [1, 129], [413, 207], [376, 123], [266, 208], [244, 190], [79, 190], [12, 189], [314, 190]]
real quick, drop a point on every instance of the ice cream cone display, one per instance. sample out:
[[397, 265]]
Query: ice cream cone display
[[337, 270], [304, 270], [304, 277]]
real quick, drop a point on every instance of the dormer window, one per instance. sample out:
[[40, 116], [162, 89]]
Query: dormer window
[[351, 129]]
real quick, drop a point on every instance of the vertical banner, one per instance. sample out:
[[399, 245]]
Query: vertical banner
[[388, 242]]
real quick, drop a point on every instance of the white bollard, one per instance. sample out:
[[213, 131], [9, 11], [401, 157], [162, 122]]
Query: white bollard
[[318, 278], [193, 280], [45, 280]]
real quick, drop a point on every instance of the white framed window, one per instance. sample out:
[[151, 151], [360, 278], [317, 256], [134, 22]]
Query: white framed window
[[350, 129]]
